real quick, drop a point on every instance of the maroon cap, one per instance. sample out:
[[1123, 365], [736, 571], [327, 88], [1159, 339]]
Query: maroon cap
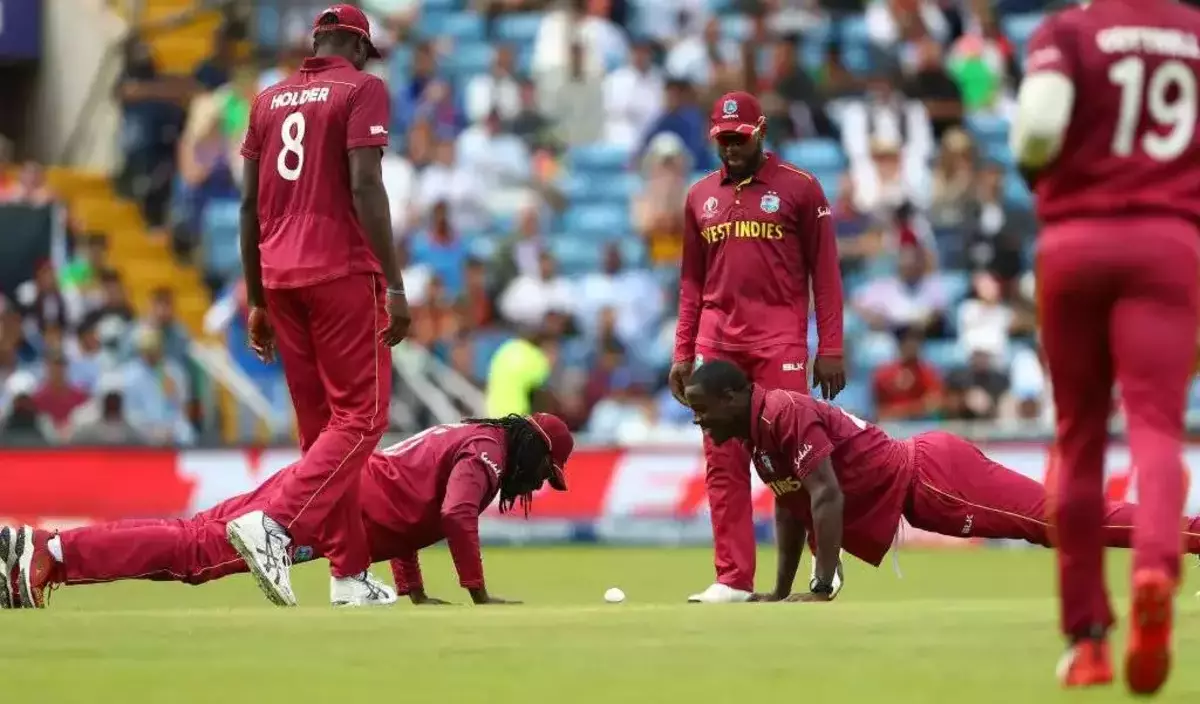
[[559, 439], [350, 19], [738, 112]]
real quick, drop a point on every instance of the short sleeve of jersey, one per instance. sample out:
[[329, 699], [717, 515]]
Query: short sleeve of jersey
[[802, 436], [252, 144], [369, 115], [1049, 50]]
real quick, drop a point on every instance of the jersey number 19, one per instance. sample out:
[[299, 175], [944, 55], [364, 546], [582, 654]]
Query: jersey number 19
[[1170, 97]]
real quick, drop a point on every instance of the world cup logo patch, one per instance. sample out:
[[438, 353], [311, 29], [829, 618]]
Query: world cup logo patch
[[729, 108], [769, 203]]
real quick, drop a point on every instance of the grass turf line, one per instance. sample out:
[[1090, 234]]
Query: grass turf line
[[959, 626]]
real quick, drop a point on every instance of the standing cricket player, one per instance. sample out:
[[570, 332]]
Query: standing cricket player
[[1106, 132], [433, 485], [757, 232], [845, 484], [324, 291]]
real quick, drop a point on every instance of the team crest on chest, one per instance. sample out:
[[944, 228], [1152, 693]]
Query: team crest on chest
[[770, 203], [710, 207]]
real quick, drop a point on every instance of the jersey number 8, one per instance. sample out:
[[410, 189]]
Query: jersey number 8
[[1172, 79], [292, 134]]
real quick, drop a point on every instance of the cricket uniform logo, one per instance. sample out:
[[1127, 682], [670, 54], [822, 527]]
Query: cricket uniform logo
[[730, 108], [490, 463], [770, 203], [303, 553], [697, 362], [710, 207]]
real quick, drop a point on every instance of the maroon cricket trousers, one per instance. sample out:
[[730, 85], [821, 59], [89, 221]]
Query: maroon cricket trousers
[[727, 466], [340, 378], [1118, 302]]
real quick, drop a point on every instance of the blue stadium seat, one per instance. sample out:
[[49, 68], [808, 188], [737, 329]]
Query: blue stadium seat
[[944, 354], [575, 255], [1016, 193], [999, 153], [598, 157], [957, 282], [219, 237], [441, 5], [735, 28], [988, 129], [486, 343], [815, 155], [267, 32], [455, 25], [600, 221], [872, 351], [857, 399], [521, 27], [469, 58], [588, 187], [1018, 28]]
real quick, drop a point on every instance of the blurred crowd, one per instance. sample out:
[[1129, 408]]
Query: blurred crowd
[[541, 153]]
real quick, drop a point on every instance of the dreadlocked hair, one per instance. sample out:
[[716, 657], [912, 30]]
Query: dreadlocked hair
[[526, 451]]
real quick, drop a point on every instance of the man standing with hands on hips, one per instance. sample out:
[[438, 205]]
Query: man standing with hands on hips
[[757, 232], [324, 290]]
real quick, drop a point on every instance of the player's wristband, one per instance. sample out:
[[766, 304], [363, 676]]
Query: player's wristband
[[395, 291], [816, 586]]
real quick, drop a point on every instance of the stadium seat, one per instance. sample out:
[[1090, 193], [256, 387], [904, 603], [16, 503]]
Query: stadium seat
[[872, 351], [267, 27], [815, 155], [957, 283], [219, 237], [469, 58], [600, 221], [486, 343], [454, 25], [735, 28], [575, 255], [441, 5], [598, 157], [1019, 28], [1016, 193], [518, 28], [944, 354]]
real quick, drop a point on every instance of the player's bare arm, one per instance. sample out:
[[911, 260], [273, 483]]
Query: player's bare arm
[[829, 370], [261, 337], [827, 501], [789, 537], [691, 285], [374, 213]]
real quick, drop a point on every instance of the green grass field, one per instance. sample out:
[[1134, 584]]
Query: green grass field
[[972, 627]]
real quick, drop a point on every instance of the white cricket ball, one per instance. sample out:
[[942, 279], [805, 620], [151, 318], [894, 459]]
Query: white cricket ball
[[614, 596]]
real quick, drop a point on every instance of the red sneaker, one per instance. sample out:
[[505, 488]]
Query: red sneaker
[[36, 569], [1087, 663], [1148, 654]]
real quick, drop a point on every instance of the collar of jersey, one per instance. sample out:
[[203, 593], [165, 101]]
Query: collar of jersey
[[323, 63], [759, 175]]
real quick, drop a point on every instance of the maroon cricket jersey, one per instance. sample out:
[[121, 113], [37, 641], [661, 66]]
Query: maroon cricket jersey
[[750, 249], [1132, 144], [435, 485], [790, 433], [300, 132]]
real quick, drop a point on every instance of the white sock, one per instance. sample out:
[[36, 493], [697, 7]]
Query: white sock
[[54, 545]]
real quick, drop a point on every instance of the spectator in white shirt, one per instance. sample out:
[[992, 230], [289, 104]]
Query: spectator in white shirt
[[882, 185], [913, 298], [888, 20], [500, 162], [633, 294], [633, 97], [559, 29], [577, 106], [496, 90], [692, 59], [885, 113], [400, 182], [985, 322], [528, 299], [446, 179]]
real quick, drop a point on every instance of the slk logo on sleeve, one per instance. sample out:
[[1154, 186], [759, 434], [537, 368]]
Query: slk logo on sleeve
[[823, 212], [770, 203]]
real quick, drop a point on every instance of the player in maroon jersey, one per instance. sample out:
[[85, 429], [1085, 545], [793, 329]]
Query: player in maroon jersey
[[757, 232], [851, 483], [432, 486], [324, 290], [1106, 132]]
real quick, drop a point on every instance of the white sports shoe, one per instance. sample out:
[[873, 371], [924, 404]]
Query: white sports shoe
[[263, 543], [360, 590], [8, 560], [720, 594]]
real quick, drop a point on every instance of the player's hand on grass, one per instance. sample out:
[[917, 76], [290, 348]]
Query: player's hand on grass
[[480, 596], [829, 375], [399, 319], [808, 597], [677, 379], [420, 598], [261, 336], [765, 597]]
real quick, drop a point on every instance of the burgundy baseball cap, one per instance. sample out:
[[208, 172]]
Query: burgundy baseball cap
[[737, 112], [559, 439], [349, 18]]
